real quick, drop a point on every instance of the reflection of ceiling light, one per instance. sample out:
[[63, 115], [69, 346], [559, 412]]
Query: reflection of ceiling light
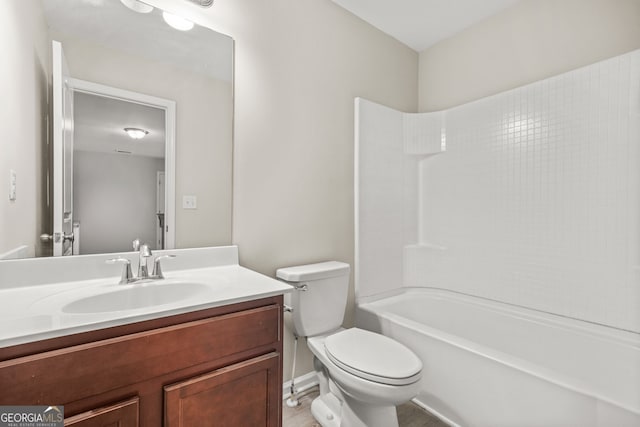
[[136, 133], [137, 6], [177, 22]]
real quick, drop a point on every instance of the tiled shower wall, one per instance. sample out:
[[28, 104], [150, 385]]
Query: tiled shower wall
[[529, 197]]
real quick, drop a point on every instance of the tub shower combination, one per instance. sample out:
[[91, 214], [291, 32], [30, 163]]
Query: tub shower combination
[[500, 241]]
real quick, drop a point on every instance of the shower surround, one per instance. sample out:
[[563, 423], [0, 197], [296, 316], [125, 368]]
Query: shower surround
[[530, 197]]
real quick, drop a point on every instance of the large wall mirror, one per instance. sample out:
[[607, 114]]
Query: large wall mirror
[[129, 113]]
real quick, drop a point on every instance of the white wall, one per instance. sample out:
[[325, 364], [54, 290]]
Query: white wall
[[203, 132], [530, 41], [114, 199], [23, 110], [299, 66]]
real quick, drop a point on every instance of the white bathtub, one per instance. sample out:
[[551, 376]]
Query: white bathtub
[[490, 364]]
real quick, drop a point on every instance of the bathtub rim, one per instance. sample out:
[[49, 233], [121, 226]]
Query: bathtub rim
[[604, 332], [578, 385]]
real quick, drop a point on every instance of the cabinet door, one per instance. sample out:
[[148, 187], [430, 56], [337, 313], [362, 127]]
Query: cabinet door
[[244, 394], [123, 414]]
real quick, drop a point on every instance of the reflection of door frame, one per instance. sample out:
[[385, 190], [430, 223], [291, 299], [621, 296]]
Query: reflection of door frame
[[170, 142], [161, 194]]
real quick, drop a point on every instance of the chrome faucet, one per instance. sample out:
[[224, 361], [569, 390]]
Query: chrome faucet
[[143, 268]]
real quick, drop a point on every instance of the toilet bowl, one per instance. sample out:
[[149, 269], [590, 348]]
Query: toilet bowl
[[362, 375]]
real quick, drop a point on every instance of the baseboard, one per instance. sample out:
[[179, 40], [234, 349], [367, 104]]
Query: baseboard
[[434, 412], [302, 383]]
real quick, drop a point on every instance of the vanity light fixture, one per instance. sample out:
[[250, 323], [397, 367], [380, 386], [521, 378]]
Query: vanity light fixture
[[137, 6], [177, 22], [136, 133]]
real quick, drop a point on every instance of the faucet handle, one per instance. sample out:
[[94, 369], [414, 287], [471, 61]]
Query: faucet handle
[[157, 269], [136, 245], [127, 275]]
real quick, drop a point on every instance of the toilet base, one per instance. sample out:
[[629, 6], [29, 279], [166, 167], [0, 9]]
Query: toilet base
[[359, 414], [326, 410], [330, 412]]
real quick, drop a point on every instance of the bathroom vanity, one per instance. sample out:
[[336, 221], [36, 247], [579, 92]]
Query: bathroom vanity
[[217, 360]]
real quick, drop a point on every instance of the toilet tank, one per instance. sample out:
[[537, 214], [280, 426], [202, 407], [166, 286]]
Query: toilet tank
[[320, 297]]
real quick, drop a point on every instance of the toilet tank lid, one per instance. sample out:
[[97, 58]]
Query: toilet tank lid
[[321, 270]]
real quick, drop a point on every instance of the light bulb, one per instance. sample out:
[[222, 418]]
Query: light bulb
[[137, 6], [177, 22]]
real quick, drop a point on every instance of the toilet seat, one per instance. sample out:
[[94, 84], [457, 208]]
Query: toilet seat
[[373, 357]]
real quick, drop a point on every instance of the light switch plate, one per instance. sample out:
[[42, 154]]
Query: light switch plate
[[12, 185], [189, 202]]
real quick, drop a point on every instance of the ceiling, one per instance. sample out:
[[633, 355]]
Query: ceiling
[[111, 24], [99, 124], [422, 23]]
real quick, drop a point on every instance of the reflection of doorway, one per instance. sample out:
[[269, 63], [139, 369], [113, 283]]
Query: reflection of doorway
[[115, 176]]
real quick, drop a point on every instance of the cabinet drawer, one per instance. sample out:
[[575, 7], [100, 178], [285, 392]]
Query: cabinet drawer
[[73, 373], [123, 414]]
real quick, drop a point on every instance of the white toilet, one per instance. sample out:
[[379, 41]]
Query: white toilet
[[363, 375]]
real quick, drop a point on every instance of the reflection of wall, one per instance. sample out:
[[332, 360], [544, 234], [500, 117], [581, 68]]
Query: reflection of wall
[[203, 142], [530, 41], [114, 198], [23, 110]]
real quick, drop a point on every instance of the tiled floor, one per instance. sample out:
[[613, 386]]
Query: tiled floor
[[409, 414]]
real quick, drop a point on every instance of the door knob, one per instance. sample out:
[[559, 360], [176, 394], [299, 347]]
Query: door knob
[[55, 237], [46, 238]]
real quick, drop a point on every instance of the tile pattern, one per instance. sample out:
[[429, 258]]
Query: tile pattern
[[424, 133], [536, 199], [532, 197]]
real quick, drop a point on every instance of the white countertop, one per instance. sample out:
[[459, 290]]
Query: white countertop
[[32, 313]]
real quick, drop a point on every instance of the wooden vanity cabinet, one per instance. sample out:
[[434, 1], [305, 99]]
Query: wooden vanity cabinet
[[220, 366]]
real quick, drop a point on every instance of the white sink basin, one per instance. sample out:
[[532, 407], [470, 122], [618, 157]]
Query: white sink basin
[[136, 296]]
